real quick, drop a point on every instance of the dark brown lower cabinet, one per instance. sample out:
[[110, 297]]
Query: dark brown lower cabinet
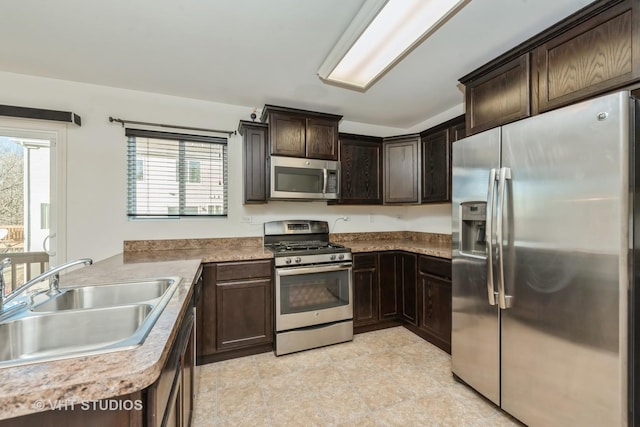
[[398, 295], [170, 398], [412, 290], [365, 289], [434, 291], [385, 292], [235, 312], [243, 313], [388, 286], [406, 278]]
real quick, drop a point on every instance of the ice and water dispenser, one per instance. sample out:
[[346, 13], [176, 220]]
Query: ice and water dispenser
[[474, 225]]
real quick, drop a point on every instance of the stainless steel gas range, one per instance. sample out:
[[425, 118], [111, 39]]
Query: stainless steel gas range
[[313, 289]]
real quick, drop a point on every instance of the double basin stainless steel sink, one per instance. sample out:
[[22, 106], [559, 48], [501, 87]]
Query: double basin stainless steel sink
[[84, 320]]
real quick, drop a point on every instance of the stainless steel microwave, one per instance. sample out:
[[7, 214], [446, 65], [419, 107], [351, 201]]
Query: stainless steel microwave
[[304, 179]]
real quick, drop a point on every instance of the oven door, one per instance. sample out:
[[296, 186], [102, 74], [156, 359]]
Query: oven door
[[307, 296]]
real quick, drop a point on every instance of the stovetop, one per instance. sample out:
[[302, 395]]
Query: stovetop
[[302, 242], [305, 246]]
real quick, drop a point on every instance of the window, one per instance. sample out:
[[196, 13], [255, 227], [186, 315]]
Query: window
[[139, 170], [171, 174], [194, 171]]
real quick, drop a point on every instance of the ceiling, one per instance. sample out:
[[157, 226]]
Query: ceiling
[[252, 52]]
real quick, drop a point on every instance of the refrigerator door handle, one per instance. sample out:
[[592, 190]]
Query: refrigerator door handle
[[504, 300], [489, 234]]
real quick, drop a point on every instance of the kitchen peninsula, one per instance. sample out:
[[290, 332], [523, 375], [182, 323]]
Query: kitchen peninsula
[[36, 387]]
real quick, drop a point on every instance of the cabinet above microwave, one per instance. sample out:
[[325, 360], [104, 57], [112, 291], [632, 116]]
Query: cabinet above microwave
[[301, 133]]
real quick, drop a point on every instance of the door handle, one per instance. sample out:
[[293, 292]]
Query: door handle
[[44, 244], [504, 300], [325, 176], [489, 234]]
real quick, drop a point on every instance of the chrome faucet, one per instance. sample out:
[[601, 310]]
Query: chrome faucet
[[3, 264], [54, 280]]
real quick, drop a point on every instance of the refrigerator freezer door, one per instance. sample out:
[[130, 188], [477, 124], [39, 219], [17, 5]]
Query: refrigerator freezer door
[[565, 257], [475, 336]]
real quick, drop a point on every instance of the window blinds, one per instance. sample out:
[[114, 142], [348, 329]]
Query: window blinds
[[171, 174]]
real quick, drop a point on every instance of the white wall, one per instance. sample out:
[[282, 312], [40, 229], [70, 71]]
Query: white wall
[[96, 170]]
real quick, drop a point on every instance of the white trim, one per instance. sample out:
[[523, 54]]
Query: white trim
[[57, 134]]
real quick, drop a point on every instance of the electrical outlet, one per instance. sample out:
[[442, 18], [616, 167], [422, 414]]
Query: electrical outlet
[[245, 219], [371, 218]]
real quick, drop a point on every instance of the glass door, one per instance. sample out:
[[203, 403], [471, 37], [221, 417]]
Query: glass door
[[27, 232], [307, 296]]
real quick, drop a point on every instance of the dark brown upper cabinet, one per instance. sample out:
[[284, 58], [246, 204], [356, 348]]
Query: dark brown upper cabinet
[[458, 129], [402, 169], [596, 56], [591, 52], [435, 155], [361, 169], [499, 97], [301, 133], [254, 161], [435, 166]]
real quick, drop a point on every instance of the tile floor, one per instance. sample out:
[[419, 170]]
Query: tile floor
[[389, 377]]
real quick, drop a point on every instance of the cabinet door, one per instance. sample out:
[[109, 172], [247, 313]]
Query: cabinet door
[[206, 312], [243, 313], [172, 417], [188, 380], [365, 289], [322, 139], [598, 55], [406, 277], [287, 134], [436, 172], [499, 97], [458, 130], [255, 164], [387, 285], [401, 171], [361, 172], [435, 313]]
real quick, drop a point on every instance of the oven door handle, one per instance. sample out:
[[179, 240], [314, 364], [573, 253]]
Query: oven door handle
[[289, 271]]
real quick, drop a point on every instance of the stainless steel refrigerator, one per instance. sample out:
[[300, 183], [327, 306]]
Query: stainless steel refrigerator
[[543, 264]]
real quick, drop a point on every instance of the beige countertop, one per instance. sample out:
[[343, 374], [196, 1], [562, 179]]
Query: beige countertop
[[23, 389], [438, 245], [247, 248], [423, 248]]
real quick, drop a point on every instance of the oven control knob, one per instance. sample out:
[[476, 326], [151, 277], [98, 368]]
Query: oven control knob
[[298, 259], [287, 261], [341, 256], [332, 257]]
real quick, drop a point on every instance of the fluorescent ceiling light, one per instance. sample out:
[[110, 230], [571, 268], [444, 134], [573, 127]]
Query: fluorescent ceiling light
[[381, 34]]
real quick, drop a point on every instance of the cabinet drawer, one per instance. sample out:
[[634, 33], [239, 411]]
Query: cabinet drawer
[[364, 261], [243, 270], [435, 266]]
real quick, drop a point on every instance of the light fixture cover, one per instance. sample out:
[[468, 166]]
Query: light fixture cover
[[381, 34]]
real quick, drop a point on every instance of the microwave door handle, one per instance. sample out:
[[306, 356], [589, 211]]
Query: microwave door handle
[[325, 176]]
